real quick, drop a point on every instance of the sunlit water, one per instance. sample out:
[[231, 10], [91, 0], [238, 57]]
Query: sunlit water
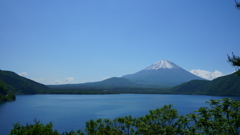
[[70, 112]]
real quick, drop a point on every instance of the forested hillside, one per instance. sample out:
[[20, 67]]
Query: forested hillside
[[225, 85], [22, 85]]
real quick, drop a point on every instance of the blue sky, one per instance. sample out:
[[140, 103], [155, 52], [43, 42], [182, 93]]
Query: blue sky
[[78, 41]]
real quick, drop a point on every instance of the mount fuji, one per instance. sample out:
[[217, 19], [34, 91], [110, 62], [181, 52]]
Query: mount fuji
[[163, 73]]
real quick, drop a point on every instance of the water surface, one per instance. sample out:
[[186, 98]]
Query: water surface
[[70, 112]]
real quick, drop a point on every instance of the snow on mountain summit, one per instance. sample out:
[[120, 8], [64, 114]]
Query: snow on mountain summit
[[163, 73], [163, 64]]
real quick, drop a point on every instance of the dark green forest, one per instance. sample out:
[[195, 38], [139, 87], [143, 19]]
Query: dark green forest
[[5, 94], [228, 85]]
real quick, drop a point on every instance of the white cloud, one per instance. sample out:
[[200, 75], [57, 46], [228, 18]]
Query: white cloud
[[23, 74], [207, 74], [69, 79]]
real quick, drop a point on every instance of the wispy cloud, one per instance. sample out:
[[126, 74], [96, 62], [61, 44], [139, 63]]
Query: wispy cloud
[[104, 78], [58, 81], [23, 74], [69, 79], [207, 74], [66, 81], [38, 79], [82, 81]]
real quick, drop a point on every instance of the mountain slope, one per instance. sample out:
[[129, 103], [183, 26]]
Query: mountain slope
[[225, 85], [19, 84], [108, 83], [116, 82], [162, 73], [194, 86]]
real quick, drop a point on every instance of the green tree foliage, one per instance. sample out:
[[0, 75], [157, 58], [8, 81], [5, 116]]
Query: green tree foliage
[[11, 95], [159, 121], [221, 118], [235, 60], [38, 129], [3, 88], [237, 4], [5, 94], [33, 129]]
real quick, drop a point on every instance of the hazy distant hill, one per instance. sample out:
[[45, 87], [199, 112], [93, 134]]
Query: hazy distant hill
[[163, 74], [116, 82], [112, 85], [19, 84], [108, 83], [225, 85]]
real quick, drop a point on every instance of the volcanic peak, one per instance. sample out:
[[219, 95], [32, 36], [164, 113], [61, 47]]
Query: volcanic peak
[[163, 64]]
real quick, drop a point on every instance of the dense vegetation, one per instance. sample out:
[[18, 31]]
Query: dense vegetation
[[225, 86], [221, 118], [22, 85], [5, 94], [110, 90]]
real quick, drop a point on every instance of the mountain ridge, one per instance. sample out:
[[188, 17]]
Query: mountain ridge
[[225, 85], [19, 84]]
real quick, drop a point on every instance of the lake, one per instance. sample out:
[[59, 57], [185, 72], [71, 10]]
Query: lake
[[70, 112]]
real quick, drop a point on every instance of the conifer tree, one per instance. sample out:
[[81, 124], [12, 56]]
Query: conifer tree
[[235, 60]]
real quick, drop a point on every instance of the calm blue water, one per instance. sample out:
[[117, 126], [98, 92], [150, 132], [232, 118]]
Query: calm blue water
[[70, 112]]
